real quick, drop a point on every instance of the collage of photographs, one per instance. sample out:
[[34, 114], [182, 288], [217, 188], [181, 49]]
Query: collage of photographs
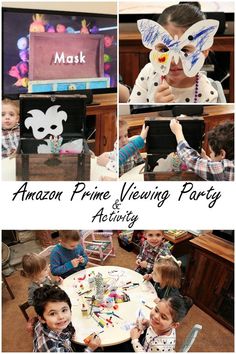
[[120, 92]]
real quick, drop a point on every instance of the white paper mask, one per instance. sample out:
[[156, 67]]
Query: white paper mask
[[48, 123], [197, 38]]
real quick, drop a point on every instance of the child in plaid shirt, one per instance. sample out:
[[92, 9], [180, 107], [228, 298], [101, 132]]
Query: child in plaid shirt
[[220, 165], [129, 156], [152, 249], [10, 127], [54, 331]]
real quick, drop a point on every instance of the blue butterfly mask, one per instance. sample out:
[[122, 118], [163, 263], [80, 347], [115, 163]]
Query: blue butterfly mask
[[188, 48]]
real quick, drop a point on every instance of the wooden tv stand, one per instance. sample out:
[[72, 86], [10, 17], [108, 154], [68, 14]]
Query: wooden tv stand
[[105, 112]]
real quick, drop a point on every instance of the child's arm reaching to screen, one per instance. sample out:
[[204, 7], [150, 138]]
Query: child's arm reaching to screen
[[177, 130], [207, 169], [136, 144]]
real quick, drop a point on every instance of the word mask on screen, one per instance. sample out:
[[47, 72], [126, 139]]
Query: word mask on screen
[[188, 48]]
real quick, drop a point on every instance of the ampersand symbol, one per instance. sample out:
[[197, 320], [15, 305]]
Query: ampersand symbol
[[116, 205]]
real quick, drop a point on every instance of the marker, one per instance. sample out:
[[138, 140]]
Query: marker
[[97, 334], [131, 287], [114, 314], [85, 292], [150, 308]]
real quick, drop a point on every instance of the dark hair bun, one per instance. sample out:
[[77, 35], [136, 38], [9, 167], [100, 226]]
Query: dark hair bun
[[188, 302]]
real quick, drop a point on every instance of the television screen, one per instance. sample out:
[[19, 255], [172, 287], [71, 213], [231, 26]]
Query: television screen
[[53, 51]]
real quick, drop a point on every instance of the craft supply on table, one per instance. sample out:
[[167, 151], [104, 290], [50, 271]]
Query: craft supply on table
[[99, 283], [84, 310]]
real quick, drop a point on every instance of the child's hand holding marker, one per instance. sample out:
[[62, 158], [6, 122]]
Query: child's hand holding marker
[[81, 259], [135, 333], [75, 262], [147, 277], [93, 341], [164, 93]]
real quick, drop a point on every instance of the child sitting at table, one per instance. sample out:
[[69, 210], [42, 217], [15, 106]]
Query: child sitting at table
[[159, 332], [54, 331], [10, 127], [36, 269], [153, 247], [68, 256], [129, 155], [220, 165], [166, 276]]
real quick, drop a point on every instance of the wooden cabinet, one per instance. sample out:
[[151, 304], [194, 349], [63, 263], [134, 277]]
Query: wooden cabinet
[[105, 113], [210, 277]]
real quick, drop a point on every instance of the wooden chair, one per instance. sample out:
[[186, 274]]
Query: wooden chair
[[190, 339], [24, 307], [7, 286], [98, 246]]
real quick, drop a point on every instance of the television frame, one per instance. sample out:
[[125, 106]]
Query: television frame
[[15, 96]]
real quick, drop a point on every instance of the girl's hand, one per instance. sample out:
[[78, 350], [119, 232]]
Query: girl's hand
[[58, 279], [135, 333], [144, 132], [145, 323], [138, 262], [157, 300], [147, 277], [164, 93], [103, 159]]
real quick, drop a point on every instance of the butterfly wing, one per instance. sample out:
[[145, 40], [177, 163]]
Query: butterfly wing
[[198, 37], [152, 34]]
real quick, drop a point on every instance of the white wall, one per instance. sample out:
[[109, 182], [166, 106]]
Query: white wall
[[93, 7]]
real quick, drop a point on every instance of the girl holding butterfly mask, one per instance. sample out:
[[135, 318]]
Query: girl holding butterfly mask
[[179, 44]]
